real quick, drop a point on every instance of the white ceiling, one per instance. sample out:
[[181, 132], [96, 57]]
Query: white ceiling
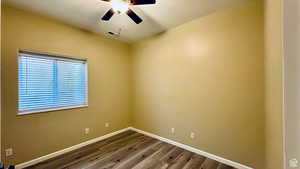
[[86, 14]]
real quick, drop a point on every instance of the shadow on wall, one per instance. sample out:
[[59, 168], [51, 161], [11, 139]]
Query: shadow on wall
[[292, 79]]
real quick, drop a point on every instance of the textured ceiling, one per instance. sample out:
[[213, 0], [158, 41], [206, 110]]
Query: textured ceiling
[[86, 14]]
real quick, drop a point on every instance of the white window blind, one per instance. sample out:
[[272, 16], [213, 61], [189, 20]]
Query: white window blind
[[51, 83]]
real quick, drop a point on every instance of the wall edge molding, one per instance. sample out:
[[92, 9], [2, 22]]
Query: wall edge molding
[[69, 149], [194, 150], [184, 146]]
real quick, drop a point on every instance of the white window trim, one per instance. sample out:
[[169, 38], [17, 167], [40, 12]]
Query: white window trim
[[36, 111], [21, 113]]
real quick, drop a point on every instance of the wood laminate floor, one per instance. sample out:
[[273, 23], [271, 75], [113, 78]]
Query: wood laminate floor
[[130, 150]]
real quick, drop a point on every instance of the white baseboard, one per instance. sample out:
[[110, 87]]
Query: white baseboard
[[60, 152], [186, 147], [194, 150]]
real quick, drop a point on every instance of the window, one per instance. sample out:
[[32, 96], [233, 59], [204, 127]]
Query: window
[[48, 82]]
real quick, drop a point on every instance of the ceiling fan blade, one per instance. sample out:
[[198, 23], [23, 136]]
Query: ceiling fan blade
[[134, 16], [106, 0], [142, 2], [108, 15]]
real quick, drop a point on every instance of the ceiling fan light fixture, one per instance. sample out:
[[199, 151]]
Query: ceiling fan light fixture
[[120, 6]]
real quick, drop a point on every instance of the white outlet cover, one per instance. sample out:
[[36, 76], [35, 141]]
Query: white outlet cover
[[192, 135], [172, 130], [106, 124], [9, 152], [293, 163], [87, 130]]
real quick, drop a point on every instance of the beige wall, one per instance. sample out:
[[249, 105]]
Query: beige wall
[[206, 76], [35, 135], [273, 84], [292, 77]]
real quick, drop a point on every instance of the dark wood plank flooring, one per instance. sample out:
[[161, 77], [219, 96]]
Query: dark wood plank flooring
[[130, 150]]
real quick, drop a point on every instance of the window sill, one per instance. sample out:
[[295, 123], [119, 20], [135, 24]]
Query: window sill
[[22, 113]]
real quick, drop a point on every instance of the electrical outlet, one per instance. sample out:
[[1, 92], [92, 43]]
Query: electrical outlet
[[192, 135], [173, 130], [293, 163], [87, 130], [9, 152], [106, 124]]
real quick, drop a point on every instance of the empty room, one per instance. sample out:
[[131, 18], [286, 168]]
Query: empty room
[[150, 84]]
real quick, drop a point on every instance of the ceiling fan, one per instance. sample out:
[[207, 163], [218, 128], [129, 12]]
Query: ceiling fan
[[122, 6]]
